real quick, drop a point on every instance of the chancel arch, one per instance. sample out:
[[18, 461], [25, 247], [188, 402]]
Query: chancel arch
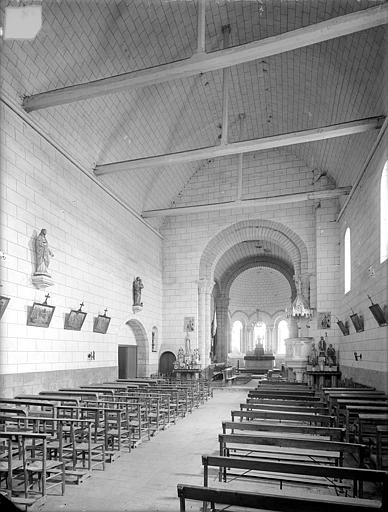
[[243, 246]]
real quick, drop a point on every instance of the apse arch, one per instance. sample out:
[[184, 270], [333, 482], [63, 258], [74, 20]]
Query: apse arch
[[142, 346], [254, 230], [283, 267]]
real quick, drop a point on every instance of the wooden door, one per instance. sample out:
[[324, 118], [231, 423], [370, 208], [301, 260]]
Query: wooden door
[[127, 361], [166, 363]]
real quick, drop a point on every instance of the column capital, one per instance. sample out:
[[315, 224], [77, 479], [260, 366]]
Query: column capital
[[205, 285]]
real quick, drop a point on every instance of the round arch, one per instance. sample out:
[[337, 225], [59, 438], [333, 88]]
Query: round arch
[[253, 230], [244, 231], [166, 363], [142, 346]]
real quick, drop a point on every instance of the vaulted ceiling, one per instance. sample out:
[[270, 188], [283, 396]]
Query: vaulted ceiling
[[322, 84]]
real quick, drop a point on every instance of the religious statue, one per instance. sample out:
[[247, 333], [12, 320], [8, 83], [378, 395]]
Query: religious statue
[[195, 357], [181, 358], [187, 344], [137, 287], [331, 356], [43, 254], [322, 347], [313, 357]]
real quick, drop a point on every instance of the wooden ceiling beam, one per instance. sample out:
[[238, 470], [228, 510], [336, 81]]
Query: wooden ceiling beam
[[275, 141], [311, 195], [202, 62]]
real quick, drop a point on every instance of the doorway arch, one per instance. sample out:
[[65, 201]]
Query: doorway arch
[[142, 346], [166, 363]]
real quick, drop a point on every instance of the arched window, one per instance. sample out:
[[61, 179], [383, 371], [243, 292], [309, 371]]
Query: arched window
[[260, 334], [348, 261], [283, 333], [384, 214], [236, 336]]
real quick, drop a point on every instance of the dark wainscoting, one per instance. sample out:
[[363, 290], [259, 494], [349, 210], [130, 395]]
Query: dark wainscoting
[[31, 383]]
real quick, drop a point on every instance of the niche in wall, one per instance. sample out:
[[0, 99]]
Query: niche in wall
[[154, 339]]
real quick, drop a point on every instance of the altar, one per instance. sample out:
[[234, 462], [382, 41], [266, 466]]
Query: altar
[[259, 361], [186, 373]]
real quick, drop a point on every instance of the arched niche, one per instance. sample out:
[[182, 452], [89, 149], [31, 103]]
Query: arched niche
[[154, 339], [142, 346], [166, 363]]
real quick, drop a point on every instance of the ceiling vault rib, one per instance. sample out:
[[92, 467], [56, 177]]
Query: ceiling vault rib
[[274, 141], [202, 62], [249, 203]]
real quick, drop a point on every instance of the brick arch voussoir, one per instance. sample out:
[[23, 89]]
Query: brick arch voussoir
[[253, 230]]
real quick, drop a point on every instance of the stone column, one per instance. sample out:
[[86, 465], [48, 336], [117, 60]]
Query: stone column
[[204, 321], [271, 341], [222, 327]]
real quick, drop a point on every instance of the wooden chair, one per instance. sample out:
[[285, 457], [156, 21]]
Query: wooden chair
[[25, 463]]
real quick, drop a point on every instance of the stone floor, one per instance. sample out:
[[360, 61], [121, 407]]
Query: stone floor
[[146, 479]]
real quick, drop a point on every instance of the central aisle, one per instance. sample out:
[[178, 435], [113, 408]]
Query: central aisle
[[146, 479]]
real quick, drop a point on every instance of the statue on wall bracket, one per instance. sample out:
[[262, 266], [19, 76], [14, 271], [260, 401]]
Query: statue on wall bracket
[[41, 277], [137, 287]]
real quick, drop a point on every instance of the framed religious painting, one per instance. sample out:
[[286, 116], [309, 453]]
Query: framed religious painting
[[101, 324], [344, 327], [188, 324], [40, 315], [324, 320], [75, 320], [3, 304]]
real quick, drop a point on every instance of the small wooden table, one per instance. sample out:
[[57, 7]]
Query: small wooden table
[[318, 379]]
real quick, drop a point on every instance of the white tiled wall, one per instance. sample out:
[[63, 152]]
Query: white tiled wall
[[98, 247]]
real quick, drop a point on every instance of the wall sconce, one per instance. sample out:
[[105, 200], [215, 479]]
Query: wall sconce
[[357, 356], [377, 313], [92, 356], [357, 321]]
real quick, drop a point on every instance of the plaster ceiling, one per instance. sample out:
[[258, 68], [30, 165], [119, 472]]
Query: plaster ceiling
[[322, 84]]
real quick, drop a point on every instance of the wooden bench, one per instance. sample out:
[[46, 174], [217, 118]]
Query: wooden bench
[[334, 433], [277, 502], [282, 447], [251, 405], [278, 395], [300, 417], [302, 474], [352, 412], [366, 425]]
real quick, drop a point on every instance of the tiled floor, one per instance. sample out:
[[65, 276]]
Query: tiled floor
[[146, 479]]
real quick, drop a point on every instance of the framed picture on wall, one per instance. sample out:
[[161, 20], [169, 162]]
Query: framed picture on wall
[[40, 315], [357, 321], [344, 327], [188, 324], [74, 320], [3, 304], [324, 320], [101, 324]]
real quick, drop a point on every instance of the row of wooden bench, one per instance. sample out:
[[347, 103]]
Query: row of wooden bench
[[289, 433], [59, 436]]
